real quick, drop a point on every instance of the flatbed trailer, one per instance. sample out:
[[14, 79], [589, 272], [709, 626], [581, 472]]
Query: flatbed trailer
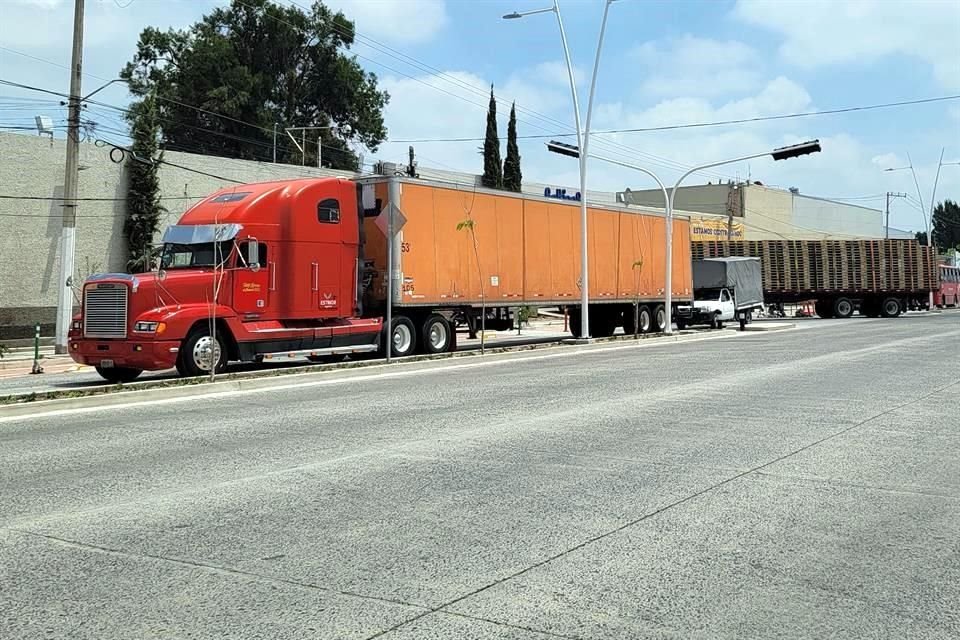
[[878, 277]]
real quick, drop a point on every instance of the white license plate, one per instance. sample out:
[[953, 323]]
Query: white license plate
[[106, 364]]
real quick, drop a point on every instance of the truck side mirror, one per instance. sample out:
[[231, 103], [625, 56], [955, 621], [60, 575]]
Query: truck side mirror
[[253, 253]]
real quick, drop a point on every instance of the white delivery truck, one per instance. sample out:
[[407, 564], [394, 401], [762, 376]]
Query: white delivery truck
[[724, 290]]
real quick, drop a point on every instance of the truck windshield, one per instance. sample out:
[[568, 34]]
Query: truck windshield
[[708, 294], [185, 256]]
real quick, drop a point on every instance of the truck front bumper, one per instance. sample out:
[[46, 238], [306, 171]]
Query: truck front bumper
[[149, 355]]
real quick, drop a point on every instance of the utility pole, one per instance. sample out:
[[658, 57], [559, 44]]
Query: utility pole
[[274, 143], [68, 235], [887, 225]]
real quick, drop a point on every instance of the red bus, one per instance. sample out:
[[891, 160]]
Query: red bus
[[948, 295]]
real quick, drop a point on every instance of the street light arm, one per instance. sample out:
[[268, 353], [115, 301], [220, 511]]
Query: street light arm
[[86, 97], [520, 14]]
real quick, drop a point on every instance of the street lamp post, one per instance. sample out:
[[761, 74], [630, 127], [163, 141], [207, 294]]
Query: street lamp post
[[916, 183], [583, 138], [933, 196], [783, 153]]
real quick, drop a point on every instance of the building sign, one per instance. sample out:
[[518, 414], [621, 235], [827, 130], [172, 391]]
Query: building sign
[[561, 194], [714, 229]]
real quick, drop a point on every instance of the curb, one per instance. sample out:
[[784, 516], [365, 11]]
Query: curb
[[25, 405]]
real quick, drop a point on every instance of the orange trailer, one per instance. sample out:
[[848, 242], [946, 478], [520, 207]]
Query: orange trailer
[[529, 254]]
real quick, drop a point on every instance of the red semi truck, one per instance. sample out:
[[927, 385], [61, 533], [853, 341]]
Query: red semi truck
[[298, 267]]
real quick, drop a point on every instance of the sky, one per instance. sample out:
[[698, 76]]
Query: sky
[[664, 63]]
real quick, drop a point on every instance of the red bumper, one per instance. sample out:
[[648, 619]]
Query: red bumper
[[150, 355]]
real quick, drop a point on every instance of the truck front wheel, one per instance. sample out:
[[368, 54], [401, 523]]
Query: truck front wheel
[[200, 351], [116, 375]]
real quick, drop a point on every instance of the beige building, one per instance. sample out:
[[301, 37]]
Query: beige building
[[766, 213]]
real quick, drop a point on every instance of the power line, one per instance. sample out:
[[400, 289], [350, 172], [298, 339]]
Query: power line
[[718, 123]]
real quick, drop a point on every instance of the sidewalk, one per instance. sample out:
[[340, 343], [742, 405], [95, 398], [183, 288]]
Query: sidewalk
[[15, 364]]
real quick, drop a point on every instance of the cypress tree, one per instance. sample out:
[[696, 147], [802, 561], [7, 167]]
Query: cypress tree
[[512, 177], [143, 191], [492, 173]]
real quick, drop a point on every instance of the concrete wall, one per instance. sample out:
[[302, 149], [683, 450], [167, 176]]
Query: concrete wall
[[838, 219], [31, 180], [768, 214]]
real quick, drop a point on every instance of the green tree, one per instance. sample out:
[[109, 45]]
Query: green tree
[[492, 173], [946, 225], [921, 237], [512, 176], [143, 189], [223, 83]]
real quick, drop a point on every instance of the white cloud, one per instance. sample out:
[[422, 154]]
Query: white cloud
[[826, 32], [888, 160], [393, 21], [691, 66]]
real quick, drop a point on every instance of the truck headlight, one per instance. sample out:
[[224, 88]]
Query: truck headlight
[[77, 325], [146, 327]]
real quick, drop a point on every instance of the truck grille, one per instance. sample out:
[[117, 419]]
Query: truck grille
[[105, 311]]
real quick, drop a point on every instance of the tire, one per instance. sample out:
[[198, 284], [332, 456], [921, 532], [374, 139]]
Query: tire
[[659, 317], [195, 353], [681, 325], [842, 308], [890, 308], [403, 337], [824, 309], [436, 335], [715, 322], [604, 320], [644, 319], [118, 375], [574, 321], [629, 322]]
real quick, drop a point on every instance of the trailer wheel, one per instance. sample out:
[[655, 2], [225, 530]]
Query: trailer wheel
[[890, 308], [574, 321], [645, 319], [199, 352], [824, 309], [842, 308], [116, 375], [629, 322], [659, 319], [436, 334], [403, 337]]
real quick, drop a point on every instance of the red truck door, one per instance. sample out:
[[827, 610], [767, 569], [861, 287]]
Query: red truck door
[[251, 281], [327, 266]]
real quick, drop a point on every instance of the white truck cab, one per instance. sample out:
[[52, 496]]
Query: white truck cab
[[713, 307]]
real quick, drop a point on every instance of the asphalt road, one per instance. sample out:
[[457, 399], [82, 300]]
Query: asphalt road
[[808, 488]]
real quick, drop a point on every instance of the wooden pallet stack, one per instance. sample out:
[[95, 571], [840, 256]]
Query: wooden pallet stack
[[850, 266]]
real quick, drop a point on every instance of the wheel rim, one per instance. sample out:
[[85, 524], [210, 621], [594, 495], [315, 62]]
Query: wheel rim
[[644, 320], [205, 352], [891, 307], [661, 318], [844, 308], [402, 338], [437, 336]]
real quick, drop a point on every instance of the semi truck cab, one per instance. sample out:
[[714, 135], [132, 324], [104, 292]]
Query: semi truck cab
[[254, 270]]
